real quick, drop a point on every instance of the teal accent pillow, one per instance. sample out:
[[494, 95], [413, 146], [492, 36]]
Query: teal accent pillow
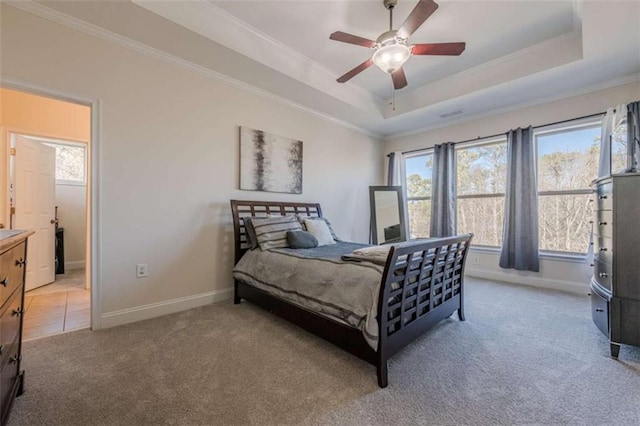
[[301, 240]]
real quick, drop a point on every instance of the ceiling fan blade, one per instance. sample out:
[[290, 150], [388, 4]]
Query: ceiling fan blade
[[449, 49], [418, 15], [357, 70], [399, 79], [352, 39]]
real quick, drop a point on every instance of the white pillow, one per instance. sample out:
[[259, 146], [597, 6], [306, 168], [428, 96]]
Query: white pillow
[[320, 230]]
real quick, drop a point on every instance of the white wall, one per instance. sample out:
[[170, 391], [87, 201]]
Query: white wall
[[169, 155], [72, 209], [560, 274]]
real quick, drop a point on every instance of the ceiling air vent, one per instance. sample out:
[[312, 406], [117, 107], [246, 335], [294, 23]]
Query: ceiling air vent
[[452, 113]]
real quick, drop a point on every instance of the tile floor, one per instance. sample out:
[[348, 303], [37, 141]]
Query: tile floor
[[63, 305]]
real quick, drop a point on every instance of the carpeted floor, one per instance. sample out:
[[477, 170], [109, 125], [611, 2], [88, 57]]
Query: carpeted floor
[[524, 356]]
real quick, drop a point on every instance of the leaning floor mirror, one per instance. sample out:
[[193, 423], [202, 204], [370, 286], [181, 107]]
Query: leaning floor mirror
[[387, 214]]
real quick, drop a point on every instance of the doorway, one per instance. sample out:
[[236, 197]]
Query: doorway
[[47, 145]]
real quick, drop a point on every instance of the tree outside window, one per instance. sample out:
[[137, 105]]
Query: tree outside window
[[481, 180], [567, 164], [70, 163], [418, 170]]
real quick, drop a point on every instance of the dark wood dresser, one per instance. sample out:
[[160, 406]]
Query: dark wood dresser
[[615, 285], [13, 259]]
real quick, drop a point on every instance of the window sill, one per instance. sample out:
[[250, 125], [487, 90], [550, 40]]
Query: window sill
[[571, 258]]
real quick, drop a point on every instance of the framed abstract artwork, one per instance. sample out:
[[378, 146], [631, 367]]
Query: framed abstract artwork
[[269, 162]]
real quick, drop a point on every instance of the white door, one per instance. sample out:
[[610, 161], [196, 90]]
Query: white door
[[34, 201]]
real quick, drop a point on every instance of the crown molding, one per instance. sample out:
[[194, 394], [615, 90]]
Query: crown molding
[[231, 32], [570, 43], [71, 22]]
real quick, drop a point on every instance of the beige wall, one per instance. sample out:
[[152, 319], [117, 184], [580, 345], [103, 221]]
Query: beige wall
[[37, 115], [40, 116], [561, 274], [169, 155], [72, 206]]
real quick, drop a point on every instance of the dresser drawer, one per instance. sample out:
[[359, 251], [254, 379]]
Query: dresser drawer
[[603, 249], [602, 273], [600, 312], [603, 223], [604, 196], [9, 379], [11, 271], [10, 321]]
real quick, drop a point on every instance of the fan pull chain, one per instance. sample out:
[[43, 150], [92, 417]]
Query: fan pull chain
[[393, 97]]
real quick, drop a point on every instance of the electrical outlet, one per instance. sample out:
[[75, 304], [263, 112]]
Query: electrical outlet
[[476, 261], [142, 270]]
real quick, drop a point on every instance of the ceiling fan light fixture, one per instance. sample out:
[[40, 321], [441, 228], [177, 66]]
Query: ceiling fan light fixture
[[390, 57]]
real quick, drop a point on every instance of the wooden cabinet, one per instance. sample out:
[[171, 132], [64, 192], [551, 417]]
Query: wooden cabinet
[[615, 286], [13, 258]]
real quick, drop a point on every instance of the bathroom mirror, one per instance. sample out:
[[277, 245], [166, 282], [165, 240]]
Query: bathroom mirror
[[387, 214]]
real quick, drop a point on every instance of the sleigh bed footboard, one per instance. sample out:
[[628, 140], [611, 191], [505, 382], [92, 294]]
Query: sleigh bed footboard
[[422, 284]]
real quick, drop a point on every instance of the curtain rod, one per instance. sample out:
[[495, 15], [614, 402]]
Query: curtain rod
[[504, 133]]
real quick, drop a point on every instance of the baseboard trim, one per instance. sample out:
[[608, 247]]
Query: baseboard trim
[[75, 264], [567, 286], [152, 310]]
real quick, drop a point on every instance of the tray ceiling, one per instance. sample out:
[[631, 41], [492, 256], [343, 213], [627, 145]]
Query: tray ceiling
[[518, 52]]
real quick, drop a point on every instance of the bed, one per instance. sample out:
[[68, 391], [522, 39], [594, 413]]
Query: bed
[[419, 284]]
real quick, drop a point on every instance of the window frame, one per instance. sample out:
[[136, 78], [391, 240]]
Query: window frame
[[475, 144], [555, 129]]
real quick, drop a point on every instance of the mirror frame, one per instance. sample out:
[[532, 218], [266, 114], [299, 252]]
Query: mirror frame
[[401, 211]]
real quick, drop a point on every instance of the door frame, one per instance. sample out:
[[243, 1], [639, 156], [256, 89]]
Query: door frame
[[93, 196]]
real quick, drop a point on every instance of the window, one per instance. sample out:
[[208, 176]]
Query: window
[[567, 163], [481, 179], [71, 160], [418, 170]]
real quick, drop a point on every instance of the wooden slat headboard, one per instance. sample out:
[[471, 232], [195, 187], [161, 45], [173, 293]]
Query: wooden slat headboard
[[241, 209]]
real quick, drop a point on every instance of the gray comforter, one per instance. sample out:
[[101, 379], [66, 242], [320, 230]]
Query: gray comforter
[[319, 280]]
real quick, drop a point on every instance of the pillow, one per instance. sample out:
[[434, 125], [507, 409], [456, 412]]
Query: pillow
[[301, 240], [320, 230], [333, 234], [271, 232], [252, 239]]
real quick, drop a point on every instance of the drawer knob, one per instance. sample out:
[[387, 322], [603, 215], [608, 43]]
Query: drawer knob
[[602, 197], [18, 311], [603, 249], [603, 275], [591, 200], [602, 223], [4, 281], [599, 310], [21, 262]]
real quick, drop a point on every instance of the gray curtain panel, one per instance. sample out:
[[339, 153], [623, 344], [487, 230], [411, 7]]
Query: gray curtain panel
[[395, 172], [443, 191], [391, 172], [520, 231], [633, 134]]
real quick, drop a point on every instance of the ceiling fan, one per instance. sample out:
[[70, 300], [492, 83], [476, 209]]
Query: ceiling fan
[[390, 48]]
